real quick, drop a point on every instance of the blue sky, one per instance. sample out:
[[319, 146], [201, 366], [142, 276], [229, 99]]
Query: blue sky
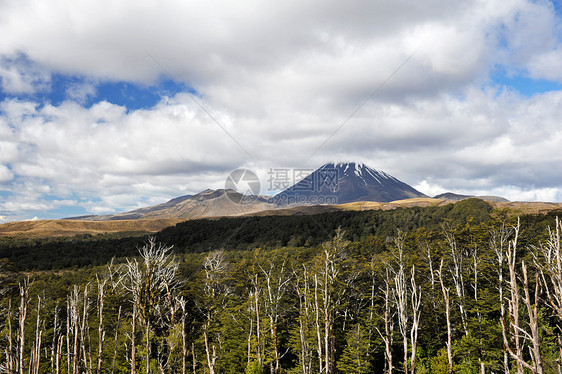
[[524, 85], [95, 116]]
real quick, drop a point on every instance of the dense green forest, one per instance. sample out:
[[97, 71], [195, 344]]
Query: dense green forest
[[240, 233], [460, 288]]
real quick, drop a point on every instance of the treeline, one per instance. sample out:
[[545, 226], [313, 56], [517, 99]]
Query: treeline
[[472, 295], [236, 233]]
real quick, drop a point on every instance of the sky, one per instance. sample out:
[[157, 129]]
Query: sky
[[108, 106]]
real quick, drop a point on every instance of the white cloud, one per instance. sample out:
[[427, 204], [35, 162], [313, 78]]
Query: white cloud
[[80, 92], [429, 189], [122, 157], [280, 78], [17, 75], [6, 174], [514, 193]]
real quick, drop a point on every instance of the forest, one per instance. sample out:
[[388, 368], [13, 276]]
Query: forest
[[461, 288]]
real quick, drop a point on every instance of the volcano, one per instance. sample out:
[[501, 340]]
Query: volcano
[[340, 183]]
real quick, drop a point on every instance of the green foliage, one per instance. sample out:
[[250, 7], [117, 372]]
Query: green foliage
[[301, 275], [439, 363], [237, 233], [253, 367], [356, 356]]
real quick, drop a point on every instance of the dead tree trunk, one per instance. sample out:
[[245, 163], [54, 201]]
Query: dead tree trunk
[[259, 348], [401, 300], [182, 303], [318, 329], [388, 335], [416, 314], [101, 332], [133, 340], [535, 350], [215, 269], [498, 244], [193, 358], [513, 305], [457, 258], [116, 340], [276, 287], [55, 341], [303, 295], [551, 274], [24, 301], [10, 364], [446, 298]]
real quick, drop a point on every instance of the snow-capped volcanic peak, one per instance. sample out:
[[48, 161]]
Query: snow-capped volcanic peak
[[342, 182], [358, 170]]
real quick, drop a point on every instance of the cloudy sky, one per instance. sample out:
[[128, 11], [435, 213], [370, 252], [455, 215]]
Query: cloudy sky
[[109, 105]]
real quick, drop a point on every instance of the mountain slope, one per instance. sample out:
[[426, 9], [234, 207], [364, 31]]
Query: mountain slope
[[456, 197], [345, 183], [67, 227], [209, 203]]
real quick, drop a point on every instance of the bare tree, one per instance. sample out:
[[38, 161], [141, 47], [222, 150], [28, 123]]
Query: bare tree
[[116, 339], [498, 241], [318, 326], [277, 281], [35, 357], [182, 303], [457, 258], [401, 298], [551, 274], [10, 362], [333, 252], [257, 310], [534, 350], [302, 290], [447, 299], [152, 282], [55, 342], [388, 335], [520, 334], [24, 302], [215, 267], [101, 332], [513, 305], [416, 314]]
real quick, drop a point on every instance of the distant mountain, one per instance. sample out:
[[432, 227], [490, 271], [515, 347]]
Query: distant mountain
[[456, 197], [208, 203], [452, 196], [331, 184], [340, 183]]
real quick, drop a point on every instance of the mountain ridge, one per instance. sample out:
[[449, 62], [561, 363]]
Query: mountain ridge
[[207, 203], [346, 182], [332, 184], [458, 197]]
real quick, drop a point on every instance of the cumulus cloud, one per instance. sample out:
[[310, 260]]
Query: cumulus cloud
[[287, 84], [20, 76], [80, 92], [6, 174]]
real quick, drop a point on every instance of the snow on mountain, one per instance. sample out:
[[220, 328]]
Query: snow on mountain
[[345, 182]]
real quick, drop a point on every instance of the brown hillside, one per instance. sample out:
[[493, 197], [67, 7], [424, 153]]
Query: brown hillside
[[75, 227], [518, 207], [406, 203]]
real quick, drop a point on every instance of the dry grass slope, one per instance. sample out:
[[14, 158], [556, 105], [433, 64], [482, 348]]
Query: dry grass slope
[[407, 203], [75, 227]]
